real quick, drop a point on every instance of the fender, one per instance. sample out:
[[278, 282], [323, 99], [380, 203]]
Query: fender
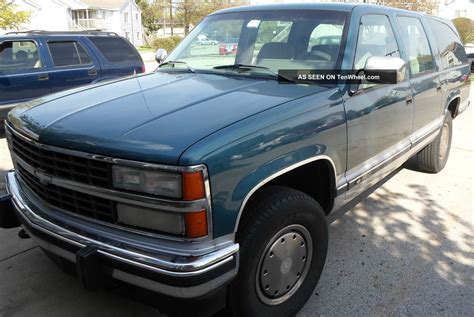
[[279, 172]]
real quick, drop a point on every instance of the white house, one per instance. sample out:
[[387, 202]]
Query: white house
[[451, 9], [120, 16]]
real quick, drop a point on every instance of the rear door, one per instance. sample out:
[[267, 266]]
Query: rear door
[[118, 56], [23, 72], [72, 63], [425, 81], [379, 116]]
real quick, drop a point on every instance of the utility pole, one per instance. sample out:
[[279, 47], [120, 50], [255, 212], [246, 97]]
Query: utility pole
[[171, 16], [163, 7]]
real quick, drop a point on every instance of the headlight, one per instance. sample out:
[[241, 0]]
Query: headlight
[[147, 181]]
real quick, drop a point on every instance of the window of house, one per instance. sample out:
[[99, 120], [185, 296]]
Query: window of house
[[417, 46], [460, 13], [19, 55], [375, 38], [125, 17], [68, 53], [136, 17], [138, 35]]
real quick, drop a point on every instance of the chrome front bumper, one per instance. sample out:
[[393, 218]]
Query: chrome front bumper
[[177, 274]]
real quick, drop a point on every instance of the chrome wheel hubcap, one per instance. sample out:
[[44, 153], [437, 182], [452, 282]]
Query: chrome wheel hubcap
[[444, 141], [284, 264]]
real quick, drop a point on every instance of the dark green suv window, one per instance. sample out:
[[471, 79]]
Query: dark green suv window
[[417, 46]]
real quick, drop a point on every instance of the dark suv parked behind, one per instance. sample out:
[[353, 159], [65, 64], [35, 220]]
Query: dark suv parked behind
[[36, 63]]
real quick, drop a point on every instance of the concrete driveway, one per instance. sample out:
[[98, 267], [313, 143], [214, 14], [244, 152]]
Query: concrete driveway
[[408, 249]]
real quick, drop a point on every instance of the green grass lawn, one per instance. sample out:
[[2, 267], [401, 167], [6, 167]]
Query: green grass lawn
[[145, 49]]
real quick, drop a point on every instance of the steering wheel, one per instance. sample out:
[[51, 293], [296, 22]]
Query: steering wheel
[[323, 55]]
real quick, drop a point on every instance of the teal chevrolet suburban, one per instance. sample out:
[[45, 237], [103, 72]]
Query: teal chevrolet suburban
[[218, 173]]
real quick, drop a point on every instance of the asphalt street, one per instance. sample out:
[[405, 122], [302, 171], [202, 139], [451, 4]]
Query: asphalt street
[[406, 250]]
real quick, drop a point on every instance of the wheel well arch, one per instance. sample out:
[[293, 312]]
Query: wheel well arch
[[315, 177], [453, 106]]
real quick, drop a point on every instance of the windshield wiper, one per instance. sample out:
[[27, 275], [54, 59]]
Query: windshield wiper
[[172, 63], [249, 67]]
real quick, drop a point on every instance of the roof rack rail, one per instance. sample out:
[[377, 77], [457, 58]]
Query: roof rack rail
[[43, 32]]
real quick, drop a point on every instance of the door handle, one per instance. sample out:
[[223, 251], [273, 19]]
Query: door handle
[[409, 100], [43, 77], [438, 88], [92, 72]]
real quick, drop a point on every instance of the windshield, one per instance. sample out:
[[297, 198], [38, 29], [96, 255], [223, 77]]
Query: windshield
[[272, 39]]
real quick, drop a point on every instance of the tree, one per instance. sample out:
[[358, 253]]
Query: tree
[[427, 6], [10, 18], [190, 12], [465, 27], [152, 13]]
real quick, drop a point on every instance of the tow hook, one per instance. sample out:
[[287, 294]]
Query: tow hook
[[23, 234]]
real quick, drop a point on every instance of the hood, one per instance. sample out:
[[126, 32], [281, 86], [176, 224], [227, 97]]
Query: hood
[[151, 118]]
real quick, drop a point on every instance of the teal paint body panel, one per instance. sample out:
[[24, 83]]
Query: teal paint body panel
[[246, 129]]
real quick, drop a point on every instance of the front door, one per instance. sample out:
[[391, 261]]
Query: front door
[[379, 116]]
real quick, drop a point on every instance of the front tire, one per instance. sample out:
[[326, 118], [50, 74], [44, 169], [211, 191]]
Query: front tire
[[433, 157], [283, 241]]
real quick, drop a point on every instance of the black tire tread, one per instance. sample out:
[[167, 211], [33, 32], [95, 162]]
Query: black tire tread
[[268, 200], [428, 158], [267, 205]]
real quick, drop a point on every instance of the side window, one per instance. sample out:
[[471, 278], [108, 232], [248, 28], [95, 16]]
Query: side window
[[272, 37], [376, 38], [115, 49], [416, 44], [451, 50], [68, 53], [19, 56]]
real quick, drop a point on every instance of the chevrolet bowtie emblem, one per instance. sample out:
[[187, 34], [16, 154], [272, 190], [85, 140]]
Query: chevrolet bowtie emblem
[[42, 177]]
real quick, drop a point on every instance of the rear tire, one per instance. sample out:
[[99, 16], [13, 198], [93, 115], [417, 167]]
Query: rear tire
[[283, 240], [434, 156]]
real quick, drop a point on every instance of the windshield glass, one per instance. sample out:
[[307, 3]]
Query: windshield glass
[[273, 39]]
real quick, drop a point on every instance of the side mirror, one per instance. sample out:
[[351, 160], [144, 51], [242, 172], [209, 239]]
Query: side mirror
[[160, 55], [385, 69]]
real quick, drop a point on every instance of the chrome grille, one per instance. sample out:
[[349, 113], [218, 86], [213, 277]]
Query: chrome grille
[[64, 166], [70, 200], [69, 167]]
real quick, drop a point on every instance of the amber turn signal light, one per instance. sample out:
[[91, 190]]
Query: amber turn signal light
[[196, 224], [193, 186]]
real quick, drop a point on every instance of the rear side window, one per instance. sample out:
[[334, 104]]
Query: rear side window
[[68, 53], [19, 56], [115, 49], [452, 52], [416, 43]]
